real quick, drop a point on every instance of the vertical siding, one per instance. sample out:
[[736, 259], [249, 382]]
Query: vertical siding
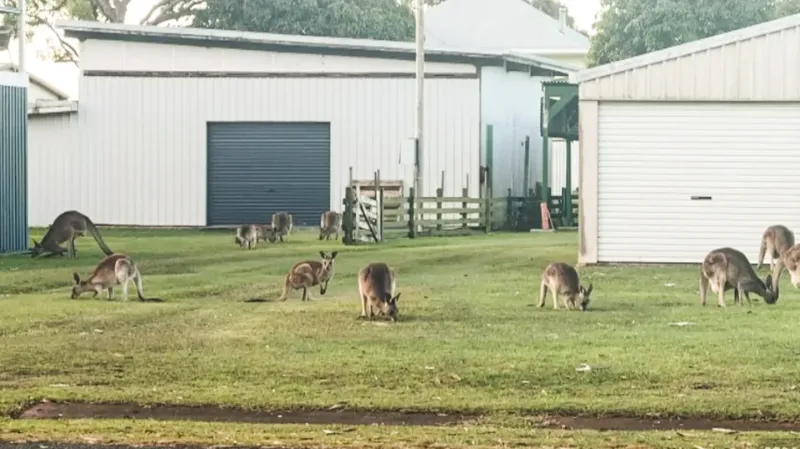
[[762, 68], [558, 164], [13, 182], [53, 155], [510, 102], [143, 140]]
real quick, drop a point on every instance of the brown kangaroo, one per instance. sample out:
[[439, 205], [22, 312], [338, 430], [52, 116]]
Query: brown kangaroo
[[789, 260], [66, 228], [774, 242], [116, 269], [562, 280], [376, 286], [281, 224], [330, 223], [727, 268], [309, 273]]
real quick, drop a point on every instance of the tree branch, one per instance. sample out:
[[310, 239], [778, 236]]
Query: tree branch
[[166, 10], [72, 52], [108, 10]]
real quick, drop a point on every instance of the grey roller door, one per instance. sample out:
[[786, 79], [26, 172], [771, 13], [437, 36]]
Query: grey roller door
[[257, 169]]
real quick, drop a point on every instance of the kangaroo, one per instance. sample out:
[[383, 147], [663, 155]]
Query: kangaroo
[[247, 236], [376, 286], [789, 260], [774, 242], [727, 268], [66, 228], [281, 224], [309, 273], [330, 223], [266, 233], [115, 269], [562, 280]]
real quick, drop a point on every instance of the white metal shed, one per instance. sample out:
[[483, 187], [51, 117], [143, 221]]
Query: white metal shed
[[691, 148]]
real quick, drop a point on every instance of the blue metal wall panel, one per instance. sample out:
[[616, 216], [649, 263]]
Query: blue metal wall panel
[[13, 169]]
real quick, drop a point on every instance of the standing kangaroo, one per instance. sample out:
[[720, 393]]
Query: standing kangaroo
[[774, 242], [309, 273], [247, 236], [727, 268], [115, 269], [66, 228], [562, 280], [281, 224], [330, 223], [376, 286], [789, 260]]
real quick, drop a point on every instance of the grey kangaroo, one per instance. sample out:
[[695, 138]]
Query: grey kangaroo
[[789, 261], [562, 280], [775, 241], [113, 270], [727, 268], [308, 273], [281, 224], [66, 228], [377, 283], [330, 223], [247, 236]]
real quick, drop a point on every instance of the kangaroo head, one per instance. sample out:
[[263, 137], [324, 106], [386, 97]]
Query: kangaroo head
[[584, 295], [388, 306], [79, 287], [37, 249], [771, 296], [272, 234], [327, 260]]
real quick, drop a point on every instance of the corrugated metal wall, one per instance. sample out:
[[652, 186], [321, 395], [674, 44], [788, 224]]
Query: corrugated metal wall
[[142, 158], [13, 146], [764, 68], [53, 151]]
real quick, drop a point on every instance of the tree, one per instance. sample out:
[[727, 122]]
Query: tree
[[44, 13], [629, 28], [369, 19]]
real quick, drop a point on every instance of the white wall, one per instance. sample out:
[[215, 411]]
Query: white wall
[[510, 102], [142, 159], [53, 158]]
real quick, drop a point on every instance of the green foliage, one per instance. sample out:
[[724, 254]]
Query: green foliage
[[372, 19], [629, 28]]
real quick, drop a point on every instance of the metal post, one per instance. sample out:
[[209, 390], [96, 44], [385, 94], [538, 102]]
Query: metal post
[[21, 35], [420, 92], [568, 192]]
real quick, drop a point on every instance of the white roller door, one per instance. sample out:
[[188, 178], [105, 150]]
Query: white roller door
[[676, 180]]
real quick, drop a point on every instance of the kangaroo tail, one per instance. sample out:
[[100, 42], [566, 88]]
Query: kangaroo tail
[[287, 286], [96, 234], [140, 291], [761, 252]]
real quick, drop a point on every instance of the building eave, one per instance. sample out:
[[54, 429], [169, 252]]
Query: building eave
[[45, 107], [688, 48], [298, 44]]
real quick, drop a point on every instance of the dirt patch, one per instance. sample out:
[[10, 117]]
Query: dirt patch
[[53, 410], [644, 424]]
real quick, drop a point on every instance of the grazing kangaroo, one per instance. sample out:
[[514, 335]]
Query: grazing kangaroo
[[727, 268], [66, 228], [376, 286], [281, 224], [309, 273], [330, 223], [266, 233], [247, 236], [789, 260], [774, 242], [562, 280], [116, 269]]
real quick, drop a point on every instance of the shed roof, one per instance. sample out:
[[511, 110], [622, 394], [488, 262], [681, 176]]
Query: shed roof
[[58, 93], [500, 25], [678, 51], [306, 44]]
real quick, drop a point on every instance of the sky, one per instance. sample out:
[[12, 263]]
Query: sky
[[65, 75]]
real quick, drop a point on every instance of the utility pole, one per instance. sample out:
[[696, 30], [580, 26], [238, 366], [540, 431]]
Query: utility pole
[[420, 91]]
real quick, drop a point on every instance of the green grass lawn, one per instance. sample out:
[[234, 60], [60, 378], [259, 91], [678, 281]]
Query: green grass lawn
[[470, 337]]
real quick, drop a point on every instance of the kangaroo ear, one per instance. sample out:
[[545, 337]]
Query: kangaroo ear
[[322, 254], [333, 254], [396, 297], [77, 278], [589, 289]]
